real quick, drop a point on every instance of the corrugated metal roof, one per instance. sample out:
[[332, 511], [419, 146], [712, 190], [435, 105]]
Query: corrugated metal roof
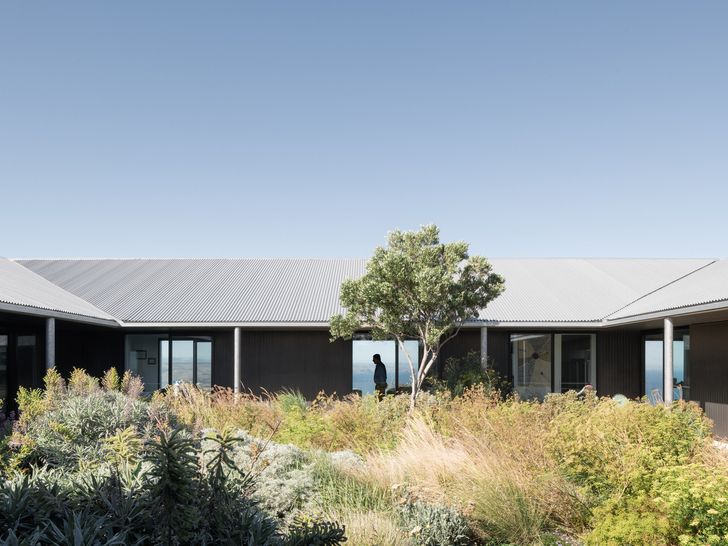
[[206, 290], [307, 290], [707, 285], [578, 289], [19, 286]]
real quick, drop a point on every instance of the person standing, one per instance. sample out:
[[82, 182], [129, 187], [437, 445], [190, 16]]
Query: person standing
[[380, 376]]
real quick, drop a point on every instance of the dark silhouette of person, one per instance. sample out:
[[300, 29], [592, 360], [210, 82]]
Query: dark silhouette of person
[[380, 376]]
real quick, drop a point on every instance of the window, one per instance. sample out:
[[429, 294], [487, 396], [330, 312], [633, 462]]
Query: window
[[531, 357], [576, 362], [654, 362], [393, 358], [544, 363], [186, 360], [160, 360]]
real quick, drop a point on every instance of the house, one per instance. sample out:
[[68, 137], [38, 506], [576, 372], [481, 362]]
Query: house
[[262, 324]]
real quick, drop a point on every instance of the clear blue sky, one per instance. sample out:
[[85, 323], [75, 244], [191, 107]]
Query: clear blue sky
[[312, 128]]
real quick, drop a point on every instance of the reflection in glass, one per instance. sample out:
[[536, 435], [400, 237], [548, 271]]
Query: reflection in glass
[[577, 352], [531, 364], [183, 360], [204, 364], [654, 371], [163, 363]]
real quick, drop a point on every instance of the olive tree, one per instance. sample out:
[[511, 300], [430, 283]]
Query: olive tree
[[417, 288]]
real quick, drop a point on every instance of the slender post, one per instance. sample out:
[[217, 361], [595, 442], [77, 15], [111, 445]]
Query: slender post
[[236, 360], [484, 347], [50, 343], [667, 368]]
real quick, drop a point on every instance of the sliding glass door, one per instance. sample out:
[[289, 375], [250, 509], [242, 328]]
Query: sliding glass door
[[185, 361], [544, 363]]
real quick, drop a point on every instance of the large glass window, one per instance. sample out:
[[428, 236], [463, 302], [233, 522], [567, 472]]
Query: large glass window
[[654, 366], [204, 364], [575, 359], [393, 358], [159, 360], [186, 361], [531, 359]]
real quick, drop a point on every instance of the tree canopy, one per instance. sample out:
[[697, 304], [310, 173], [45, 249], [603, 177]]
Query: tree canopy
[[417, 287]]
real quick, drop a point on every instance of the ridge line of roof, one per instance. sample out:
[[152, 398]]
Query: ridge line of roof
[[643, 296]]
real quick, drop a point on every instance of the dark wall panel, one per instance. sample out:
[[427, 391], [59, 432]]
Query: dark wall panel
[[304, 360], [709, 362], [222, 362], [459, 347], [96, 349], [499, 352], [619, 363]]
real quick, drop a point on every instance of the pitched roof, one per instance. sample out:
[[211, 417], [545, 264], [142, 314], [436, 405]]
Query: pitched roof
[[704, 286], [578, 289], [306, 291], [21, 289], [206, 290]]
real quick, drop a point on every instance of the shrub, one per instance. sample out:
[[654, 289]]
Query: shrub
[[608, 447], [685, 504], [171, 499], [72, 433], [460, 374], [435, 525]]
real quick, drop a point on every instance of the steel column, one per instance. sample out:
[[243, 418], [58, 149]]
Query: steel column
[[667, 368], [484, 347], [236, 360], [50, 343]]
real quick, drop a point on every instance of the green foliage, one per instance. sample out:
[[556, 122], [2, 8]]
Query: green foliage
[[341, 491], [175, 475], [169, 499], [32, 402], [314, 533], [111, 380], [69, 433], [82, 383], [102, 466], [435, 525], [685, 504], [54, 383], [460, 374], [417, 288], [610, 448], [123, 447]]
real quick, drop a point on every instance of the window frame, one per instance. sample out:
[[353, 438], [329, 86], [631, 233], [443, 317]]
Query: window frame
[[170, 356]]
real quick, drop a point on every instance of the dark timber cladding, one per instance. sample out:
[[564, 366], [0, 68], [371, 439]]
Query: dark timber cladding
[[619, 363], [709, 362], [93, 348], [301, 360]]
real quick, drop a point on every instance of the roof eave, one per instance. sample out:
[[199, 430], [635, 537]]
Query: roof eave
[[674, 312], [51, 313]]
